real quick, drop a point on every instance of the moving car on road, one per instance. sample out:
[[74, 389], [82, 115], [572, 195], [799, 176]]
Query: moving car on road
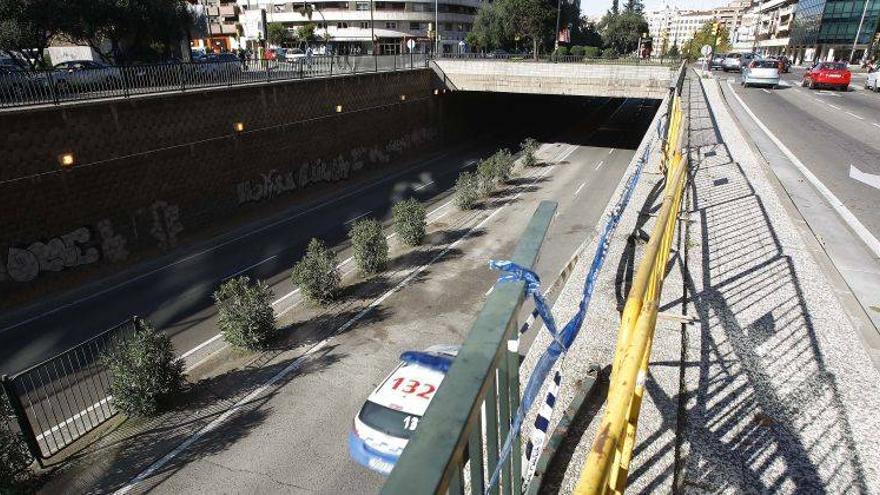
[[717, 62], [736, 61], [834, 75], [392, 412], [873, 80], [761, 73]]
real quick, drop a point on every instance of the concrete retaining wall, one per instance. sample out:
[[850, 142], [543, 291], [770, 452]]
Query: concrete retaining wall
[[617, 81]]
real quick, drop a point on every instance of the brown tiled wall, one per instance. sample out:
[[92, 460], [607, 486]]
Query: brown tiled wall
[[150, 172]]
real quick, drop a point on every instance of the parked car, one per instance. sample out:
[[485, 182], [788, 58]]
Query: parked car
[[761, 73], [736, 61], [717, 62], [294, 54], [392, 412], [17, 84], [873, 80], [214, 66], [834, 75], [87, 75]]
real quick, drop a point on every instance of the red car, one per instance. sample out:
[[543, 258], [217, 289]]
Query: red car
[[829, 75]]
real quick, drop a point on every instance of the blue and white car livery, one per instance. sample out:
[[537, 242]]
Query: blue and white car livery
[[392, 412]]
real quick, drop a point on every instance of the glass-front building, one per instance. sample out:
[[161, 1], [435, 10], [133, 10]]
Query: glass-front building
[[827, 29]]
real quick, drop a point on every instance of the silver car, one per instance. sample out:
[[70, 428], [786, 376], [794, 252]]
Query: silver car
[[736, 61], [761, 73]]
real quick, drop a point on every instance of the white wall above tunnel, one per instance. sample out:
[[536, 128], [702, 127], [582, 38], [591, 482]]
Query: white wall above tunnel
[[576, 79]]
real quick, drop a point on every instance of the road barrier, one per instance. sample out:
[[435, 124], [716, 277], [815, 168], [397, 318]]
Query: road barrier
[[21, 88], [60, 400], [608, 463]]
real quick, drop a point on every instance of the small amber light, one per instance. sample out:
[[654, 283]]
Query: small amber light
[[402, 97], [338, 108], [238, 126], [67, 159]]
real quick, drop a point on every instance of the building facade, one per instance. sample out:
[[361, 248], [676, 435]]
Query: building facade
[[674, 26], [834, 29], [351, 26], [218, 26]]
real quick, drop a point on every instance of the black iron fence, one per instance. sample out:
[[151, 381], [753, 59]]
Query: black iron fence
[[553, 58], [20, 88], [60, 400]]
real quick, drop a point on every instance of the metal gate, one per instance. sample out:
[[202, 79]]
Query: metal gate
[[63, 398]]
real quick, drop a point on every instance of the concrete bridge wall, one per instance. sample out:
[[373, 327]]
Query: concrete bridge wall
[[578, 79]]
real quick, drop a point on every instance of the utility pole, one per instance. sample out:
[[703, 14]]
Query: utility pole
[[556, 34], [858, 33], [372, 30], [436, 28]]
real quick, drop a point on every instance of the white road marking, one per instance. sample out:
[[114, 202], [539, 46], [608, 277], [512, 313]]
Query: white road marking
[[490, 289], [847, 216], [579, 188], [599, 165], [270, 258], [611, 151], [298, 362], [75, 417], [854, 115], [426, 184], [220, 245], [362, 215], [875, 124], [833, 106], [765, 90], [467, 164], [864, 177]]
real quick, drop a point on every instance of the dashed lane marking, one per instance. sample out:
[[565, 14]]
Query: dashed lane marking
[[579, 188]]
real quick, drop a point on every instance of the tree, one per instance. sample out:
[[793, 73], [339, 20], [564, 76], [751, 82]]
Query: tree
[[529, 149], [278, 35], [466, 190], [144, 371], [409, 221], [488, 32], [316, 274], [29, 25], [14, 455], [244, 313], [369, 245], [673, 52], [622, 32], [705, 37], [306, 32], [634, 7], [532, 19]]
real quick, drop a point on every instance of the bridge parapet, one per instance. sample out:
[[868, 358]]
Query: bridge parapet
[[605, 79]]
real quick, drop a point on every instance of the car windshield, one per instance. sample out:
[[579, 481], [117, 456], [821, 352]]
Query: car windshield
[[389, 421], [765, 64], [833, 66]]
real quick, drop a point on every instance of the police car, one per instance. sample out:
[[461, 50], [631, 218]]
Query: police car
[[392, 412]]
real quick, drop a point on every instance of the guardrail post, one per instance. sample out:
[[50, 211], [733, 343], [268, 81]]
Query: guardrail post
[[21, 418], [181, 77]]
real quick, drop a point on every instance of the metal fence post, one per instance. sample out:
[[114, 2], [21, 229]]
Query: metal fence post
[[21, 418], [180, 76], [513, 379], [331, 64]]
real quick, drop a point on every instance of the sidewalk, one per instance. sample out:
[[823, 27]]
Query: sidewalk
[[770, 391]]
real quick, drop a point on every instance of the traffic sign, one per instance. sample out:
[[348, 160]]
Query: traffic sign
[[706, 50], [411, 44]]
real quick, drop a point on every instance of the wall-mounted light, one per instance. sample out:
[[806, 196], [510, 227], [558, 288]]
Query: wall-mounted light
[[402, 97], [436, 91], [238, 126], [66, 160], [338, 108]]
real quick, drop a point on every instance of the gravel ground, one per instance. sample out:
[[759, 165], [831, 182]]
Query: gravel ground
[[782, 397], [771, 390]]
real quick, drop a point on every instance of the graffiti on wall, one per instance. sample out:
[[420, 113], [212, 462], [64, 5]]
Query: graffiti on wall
[[71, 249], [166, 224], [275, 183], [85, 246]]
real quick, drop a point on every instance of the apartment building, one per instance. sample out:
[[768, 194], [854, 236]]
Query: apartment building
[[352, 25], [218, 27]]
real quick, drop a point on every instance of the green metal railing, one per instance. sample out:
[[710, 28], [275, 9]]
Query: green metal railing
[[480, 389]]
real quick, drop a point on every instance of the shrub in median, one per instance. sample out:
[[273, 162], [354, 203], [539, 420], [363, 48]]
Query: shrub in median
[[486, 176], [369, 245], [529, 149], [503, 165], [591, 52], [577, 51], [466, 190], [144, 372], [316, 274], [409, 221], [244, 313], [609, 54], [15, 459], [562, 51]]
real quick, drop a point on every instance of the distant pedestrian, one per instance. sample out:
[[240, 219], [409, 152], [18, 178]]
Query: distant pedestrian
[[242, 56]]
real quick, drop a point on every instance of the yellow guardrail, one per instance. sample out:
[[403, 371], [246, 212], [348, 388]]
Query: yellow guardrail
[[608, 463]]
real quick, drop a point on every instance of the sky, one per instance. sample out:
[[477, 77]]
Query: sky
[[595, 8]]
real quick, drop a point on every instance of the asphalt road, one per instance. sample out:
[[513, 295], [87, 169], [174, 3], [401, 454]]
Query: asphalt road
[[836, 136], [174, 292], [293, 437]]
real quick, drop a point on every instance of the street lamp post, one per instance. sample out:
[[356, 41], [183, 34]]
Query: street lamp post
[[436, 28], [858, 32]]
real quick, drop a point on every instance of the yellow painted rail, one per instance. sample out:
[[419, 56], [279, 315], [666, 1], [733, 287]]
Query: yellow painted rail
[[608, 463]]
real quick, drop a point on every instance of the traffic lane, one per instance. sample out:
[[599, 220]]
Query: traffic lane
[[826, 150], [856, 100], [301, 442], [180, 292], [178, 296]]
